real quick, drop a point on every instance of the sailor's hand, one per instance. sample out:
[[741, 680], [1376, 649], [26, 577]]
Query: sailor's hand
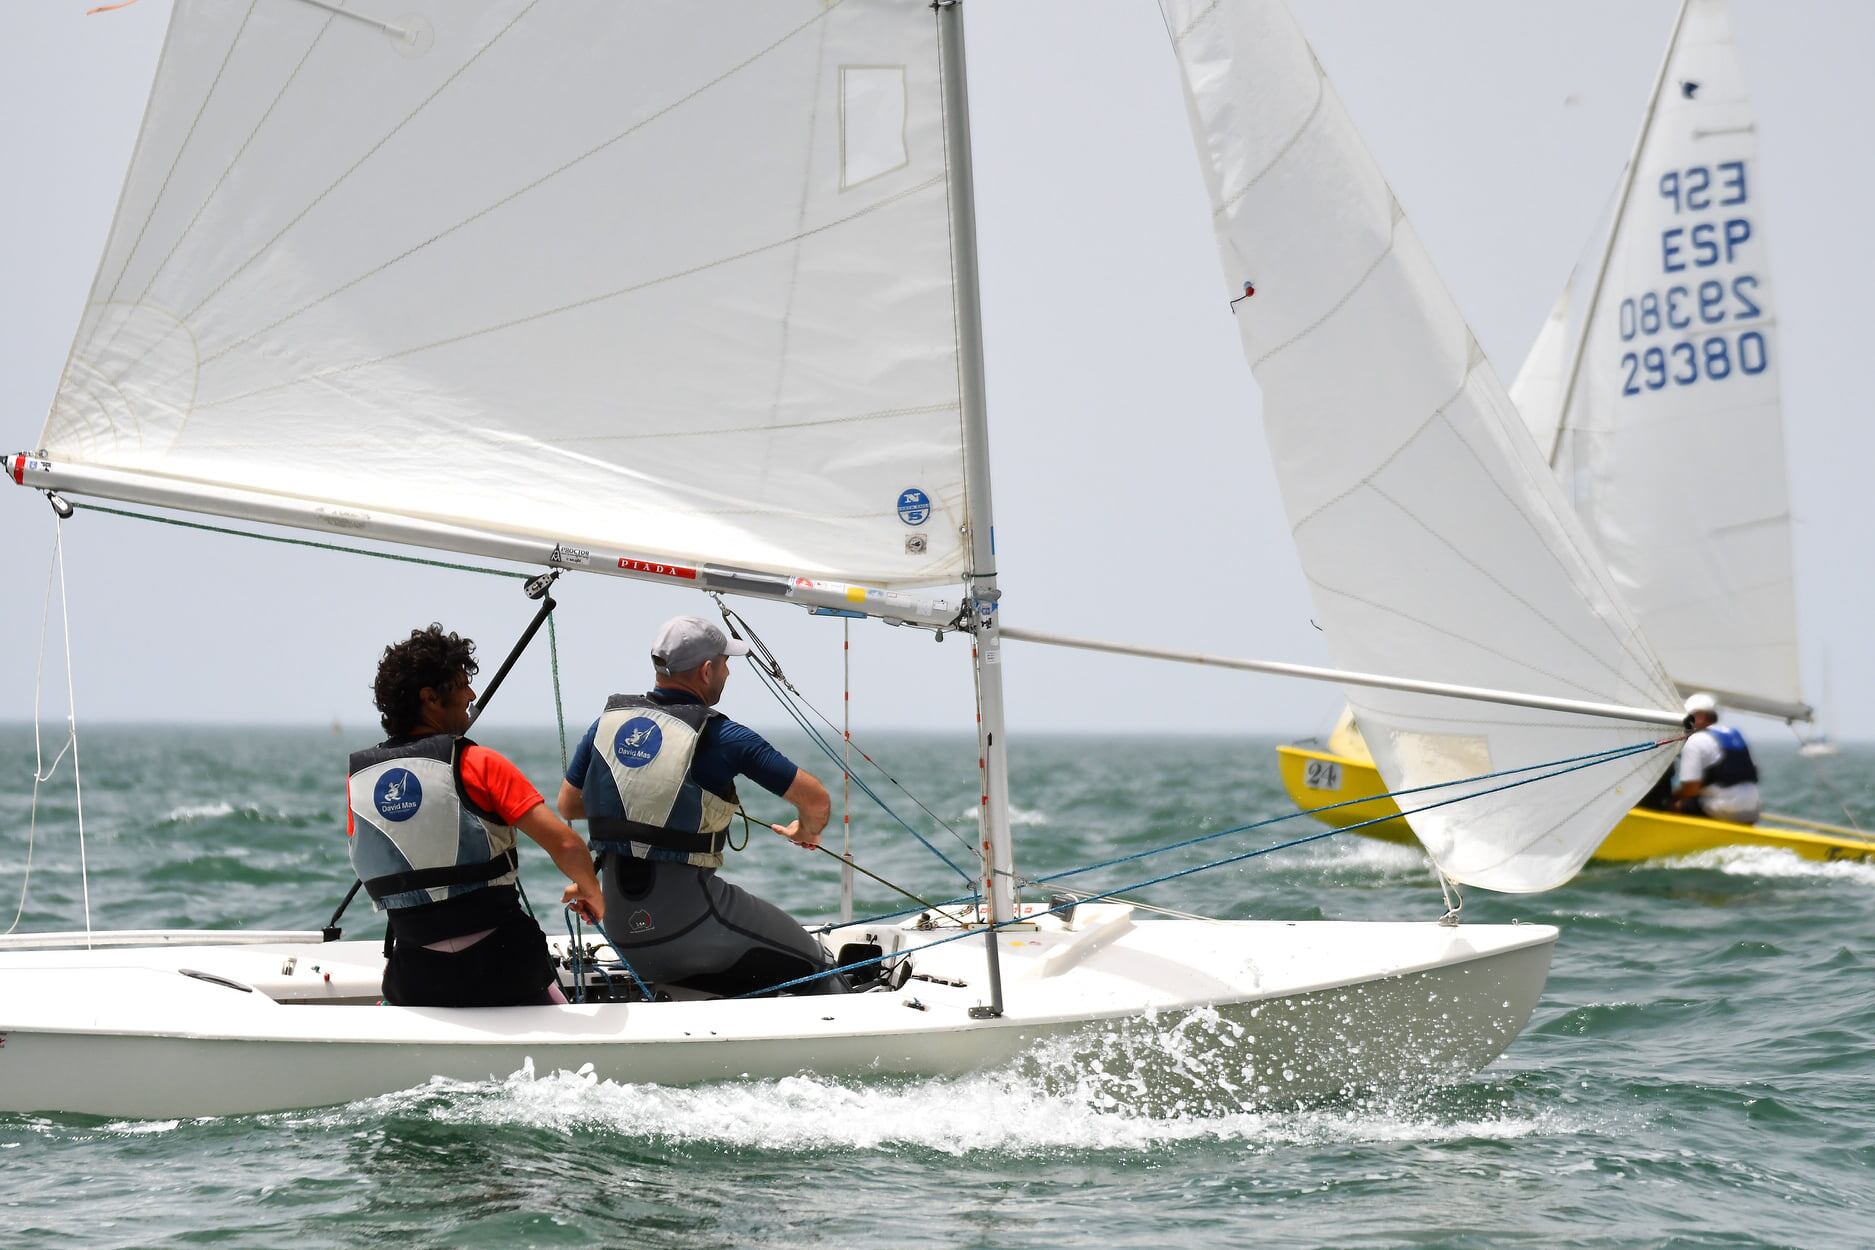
[[591, 907], [792, 832]]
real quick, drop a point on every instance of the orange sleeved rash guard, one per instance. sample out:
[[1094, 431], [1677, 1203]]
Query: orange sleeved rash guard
[[494, 784]]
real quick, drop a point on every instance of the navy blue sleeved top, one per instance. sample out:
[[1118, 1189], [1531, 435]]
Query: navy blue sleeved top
[[726, 751]]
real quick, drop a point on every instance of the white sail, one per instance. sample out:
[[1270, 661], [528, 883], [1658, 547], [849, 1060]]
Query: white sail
[[560, 270], [1433, 538], [1673, 443], [1537, 390]]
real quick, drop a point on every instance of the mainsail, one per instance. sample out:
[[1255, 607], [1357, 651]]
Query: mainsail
[[1672, 442], [554, 270], [1433, 537]]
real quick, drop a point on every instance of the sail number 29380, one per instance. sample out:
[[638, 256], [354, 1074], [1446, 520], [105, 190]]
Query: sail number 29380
[[1709, 324]]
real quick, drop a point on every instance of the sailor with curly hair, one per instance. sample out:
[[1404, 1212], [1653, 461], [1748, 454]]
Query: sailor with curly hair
[[432, 829]]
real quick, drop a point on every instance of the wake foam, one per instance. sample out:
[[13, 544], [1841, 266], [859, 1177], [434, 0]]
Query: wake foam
[[1355, 856], [1055, 1099], [1770, 862]]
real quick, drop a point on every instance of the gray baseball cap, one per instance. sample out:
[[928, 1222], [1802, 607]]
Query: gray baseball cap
[[687, 641]]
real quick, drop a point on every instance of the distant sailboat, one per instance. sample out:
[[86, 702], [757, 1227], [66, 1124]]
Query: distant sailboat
[[1819, 745], [1652, 388]]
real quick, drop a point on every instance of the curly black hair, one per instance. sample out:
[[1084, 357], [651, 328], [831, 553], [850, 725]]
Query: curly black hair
[[429, 657]]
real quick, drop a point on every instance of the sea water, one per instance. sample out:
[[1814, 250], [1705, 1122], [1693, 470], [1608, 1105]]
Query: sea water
[[1698, 1072]]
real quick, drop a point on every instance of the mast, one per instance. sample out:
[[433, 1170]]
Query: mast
[[993, 756], [1614, 234]]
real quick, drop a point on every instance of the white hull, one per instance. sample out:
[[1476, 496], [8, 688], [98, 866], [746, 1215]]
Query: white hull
[[1305, 1011]]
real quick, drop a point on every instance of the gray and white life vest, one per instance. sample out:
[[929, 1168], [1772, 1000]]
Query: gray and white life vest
[[638, 789], [416, 839], [1734, 767]]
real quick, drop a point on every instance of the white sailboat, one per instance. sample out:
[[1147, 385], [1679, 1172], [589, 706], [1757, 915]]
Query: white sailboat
[[587, 286]]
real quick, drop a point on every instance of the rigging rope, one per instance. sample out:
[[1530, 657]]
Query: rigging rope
[[1600, 757], [732, 619], [553, 651], [71, 721], [826, 749], [42, 773], [304, 542], [1576, 761]]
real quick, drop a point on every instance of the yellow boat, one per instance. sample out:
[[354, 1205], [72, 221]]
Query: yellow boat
[[1342, 771]]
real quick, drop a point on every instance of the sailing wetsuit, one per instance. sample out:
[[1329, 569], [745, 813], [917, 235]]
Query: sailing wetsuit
[[430, 824], [657, 773]]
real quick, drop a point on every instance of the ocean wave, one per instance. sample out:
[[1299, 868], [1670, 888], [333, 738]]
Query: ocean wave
[[191, 813], [1019, 817]]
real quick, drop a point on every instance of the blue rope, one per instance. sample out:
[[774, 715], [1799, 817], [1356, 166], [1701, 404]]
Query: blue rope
[[864, 789], [1593, 757], [575, 927], [574, 950], [1589, 762]]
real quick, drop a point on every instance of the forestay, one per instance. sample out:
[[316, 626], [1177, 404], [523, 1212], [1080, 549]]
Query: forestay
[[1433, 538], [610, 275], [1672, 447]]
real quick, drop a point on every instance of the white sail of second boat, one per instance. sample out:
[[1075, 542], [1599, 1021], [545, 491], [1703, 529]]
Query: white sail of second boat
[[1433, 537], [1664, 424]]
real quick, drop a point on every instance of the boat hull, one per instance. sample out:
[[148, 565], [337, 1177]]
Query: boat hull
[[1316, 778], [1286, 1012]]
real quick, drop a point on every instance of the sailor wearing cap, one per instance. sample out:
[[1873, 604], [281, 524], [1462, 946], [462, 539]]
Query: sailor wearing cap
[[1717, 775], [654, 779]]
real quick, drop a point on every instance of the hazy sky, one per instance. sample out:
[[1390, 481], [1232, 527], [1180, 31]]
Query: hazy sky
[[1133, 501]]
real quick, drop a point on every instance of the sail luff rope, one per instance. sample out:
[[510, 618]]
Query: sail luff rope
[[1106, 895]]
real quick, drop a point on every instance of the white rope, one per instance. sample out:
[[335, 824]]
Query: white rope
[[41, 773], [846, 770], [71, 721]]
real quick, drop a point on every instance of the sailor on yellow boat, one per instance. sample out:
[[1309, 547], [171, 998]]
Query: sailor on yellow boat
[[1717, 776]]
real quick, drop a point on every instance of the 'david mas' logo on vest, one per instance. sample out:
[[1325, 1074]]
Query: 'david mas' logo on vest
[[638, 741], [398, 796]]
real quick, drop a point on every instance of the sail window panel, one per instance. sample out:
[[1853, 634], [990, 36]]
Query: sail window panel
[[872, 122]]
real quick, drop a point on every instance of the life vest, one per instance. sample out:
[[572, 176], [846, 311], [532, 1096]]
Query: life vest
[[638, 790], [416, 838], [1734, 766]]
